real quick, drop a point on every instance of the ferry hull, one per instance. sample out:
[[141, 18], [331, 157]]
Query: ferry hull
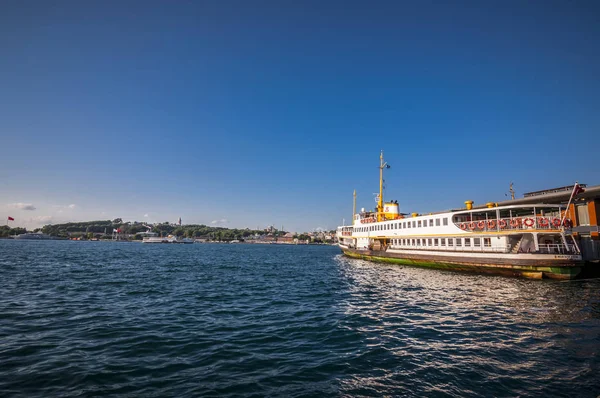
[[560, 267]]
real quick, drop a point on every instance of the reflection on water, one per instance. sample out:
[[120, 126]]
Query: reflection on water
[[118, 319], [461, 333]]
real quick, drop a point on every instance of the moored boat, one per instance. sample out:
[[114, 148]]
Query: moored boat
[[34, 236], [521, 240]]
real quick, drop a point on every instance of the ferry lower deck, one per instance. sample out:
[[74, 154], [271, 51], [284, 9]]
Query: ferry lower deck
[[530, 265]]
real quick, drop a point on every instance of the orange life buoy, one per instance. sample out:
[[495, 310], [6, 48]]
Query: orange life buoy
[[543, 222], [491, 224], [528, 222], [556, 222], [568, 223], [472, 225], [481, 224], [502, 224], [463, 226], [515, 222]]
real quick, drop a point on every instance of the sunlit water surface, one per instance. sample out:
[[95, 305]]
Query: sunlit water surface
[[98, 318]]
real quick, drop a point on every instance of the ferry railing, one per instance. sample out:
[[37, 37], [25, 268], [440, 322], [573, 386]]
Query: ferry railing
[[543, 249], [470, 249], [511, 224], [558, 249]]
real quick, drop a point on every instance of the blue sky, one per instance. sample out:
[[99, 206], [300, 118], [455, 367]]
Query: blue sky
[[248, 114]]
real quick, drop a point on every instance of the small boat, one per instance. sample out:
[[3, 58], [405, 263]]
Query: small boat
[[159, 239], [34, 236]]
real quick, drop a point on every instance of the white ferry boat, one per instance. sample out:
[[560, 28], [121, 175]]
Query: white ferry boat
[[152, 237], [34, 236], [522, 240]]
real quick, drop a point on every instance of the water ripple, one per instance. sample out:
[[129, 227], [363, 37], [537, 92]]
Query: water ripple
[[118, 319]]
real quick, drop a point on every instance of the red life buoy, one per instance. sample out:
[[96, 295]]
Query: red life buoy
[[502, 224], [556, 222], [568, 223], [481, 224], [492, 224], [472, 225], [463, 226], [515, 222], [543, 222], [528, 222]]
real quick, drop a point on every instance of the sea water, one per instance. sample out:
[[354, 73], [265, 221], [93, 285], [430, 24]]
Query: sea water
[[241, 320]]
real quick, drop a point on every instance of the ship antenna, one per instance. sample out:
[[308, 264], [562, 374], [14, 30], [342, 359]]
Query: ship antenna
[[382, 165], [512, 192], [354, 208]]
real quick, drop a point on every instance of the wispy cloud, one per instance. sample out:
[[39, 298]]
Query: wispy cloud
[[71, 206], [146, 215], [22, 206], [40, 219], [222, 221]]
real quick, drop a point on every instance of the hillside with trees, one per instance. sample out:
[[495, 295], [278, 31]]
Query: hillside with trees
[[99, 229]]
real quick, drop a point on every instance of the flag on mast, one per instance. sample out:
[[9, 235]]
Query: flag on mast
[[577, 189], [10, 218]]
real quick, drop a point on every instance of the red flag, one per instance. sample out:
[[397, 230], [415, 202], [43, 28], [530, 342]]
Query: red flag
[[10, 218], [577, 190]]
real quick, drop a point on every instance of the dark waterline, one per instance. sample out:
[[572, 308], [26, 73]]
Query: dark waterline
[[98, 318]]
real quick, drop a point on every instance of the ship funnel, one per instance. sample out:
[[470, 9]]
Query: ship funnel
[[469, 204], [489, 205]]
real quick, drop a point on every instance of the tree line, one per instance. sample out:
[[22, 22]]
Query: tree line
[[105, 228]]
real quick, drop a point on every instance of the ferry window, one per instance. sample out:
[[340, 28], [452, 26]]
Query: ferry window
[[443, 242], [414, 224], [458, 242], [424, 223], [409, 224], [435, 242], [487, 242], [431, 222], [445, 221], [419, 224], [467, 242], [476, 242], [429, 242], [404, 224], [450, 241], [437, 222]]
